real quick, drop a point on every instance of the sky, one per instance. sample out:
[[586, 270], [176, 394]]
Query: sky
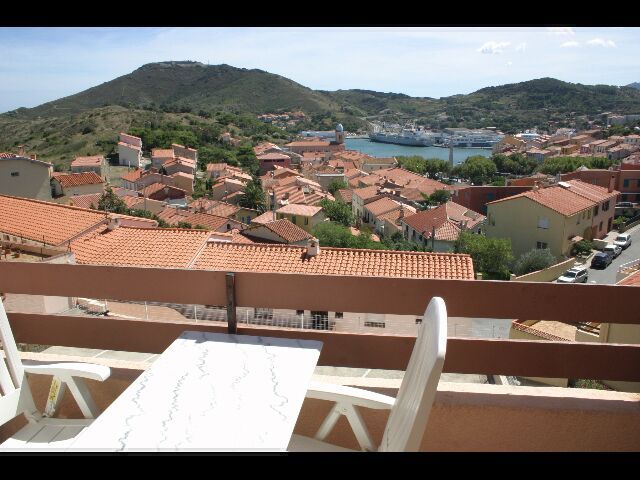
[[38, 65]]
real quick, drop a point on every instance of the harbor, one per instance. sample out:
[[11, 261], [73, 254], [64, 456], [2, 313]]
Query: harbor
[[377, 149]]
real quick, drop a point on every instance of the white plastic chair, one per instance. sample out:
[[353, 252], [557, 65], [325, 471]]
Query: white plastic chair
[[409, 410], [42, 433]]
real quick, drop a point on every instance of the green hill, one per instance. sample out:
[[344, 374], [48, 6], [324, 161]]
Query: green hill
[[190, 93], [190, 86], [634, 85]]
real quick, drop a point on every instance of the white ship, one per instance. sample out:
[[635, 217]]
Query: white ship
[[407, 135]]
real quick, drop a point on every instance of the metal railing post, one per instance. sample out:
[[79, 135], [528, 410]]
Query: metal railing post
[[232, 323]]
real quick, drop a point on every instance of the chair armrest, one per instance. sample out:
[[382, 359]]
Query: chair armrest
[[82, 370], [349, 395]]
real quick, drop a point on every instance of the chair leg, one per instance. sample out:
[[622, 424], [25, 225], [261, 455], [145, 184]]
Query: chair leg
[[56, 393], [329, 422], [359, 428]]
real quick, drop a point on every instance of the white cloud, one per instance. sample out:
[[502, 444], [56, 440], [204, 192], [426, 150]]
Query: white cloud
[[509, 64], [493, 48], [601, 42], [570, 44], [561, 30], [521, 47]]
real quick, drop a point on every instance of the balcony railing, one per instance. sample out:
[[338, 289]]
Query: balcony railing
[[475, 299]]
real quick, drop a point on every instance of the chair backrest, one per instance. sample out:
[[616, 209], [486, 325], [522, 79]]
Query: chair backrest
[[15, 395], [410, 412]]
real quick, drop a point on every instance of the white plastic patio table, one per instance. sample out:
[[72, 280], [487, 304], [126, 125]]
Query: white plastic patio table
[[210, 392]]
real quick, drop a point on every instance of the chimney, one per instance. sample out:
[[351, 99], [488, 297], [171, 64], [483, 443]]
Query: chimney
[[313, 247], [612, 182], [114, 222]]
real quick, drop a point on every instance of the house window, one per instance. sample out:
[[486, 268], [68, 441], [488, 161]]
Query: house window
[[339, 315], [605, 206], [306, 220], [374, 324], [263, 313], [595, 210], [299, 312], [294, 220], [541, 245], [15, 174], [638, 184], [320, 320], [5, 236], [543, 223], [600, 227], [625, 183], [228, 226]]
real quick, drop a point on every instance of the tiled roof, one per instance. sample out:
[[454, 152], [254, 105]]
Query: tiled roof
[[334, 261], [159, 187], [154, 247], [266, 217], [460, 213], [132, 176], [379, 161], [300, 195], [216, 167], [272, 156], [162, 152], [286, 230], [173, 216], [214, 207], [346, 194], [310, 143], [382, 205], [590, 191], [45, 221], [555, 198], [86, 201], [395, 215], [94, 161], [78, 179], [297, 209], [366, 192], [632, 280], [128, 145], [425, 221]]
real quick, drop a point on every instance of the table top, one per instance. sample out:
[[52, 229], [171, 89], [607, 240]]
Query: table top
[[207, 392]]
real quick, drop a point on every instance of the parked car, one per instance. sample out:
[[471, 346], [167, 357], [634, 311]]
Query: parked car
[[601, 260], [623, 240], [574, 275], [615, 250]]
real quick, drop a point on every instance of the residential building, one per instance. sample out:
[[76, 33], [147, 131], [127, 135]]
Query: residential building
[[96, 164], [476, 197], [439, 228], [180, 164], [130, 179], [76, 184], [25, 177], [173, 216], [226, 186], [47, 228], [391, 222], [130, 151], [184, 181], [336, 145], [554, 217], [185, 152], [159, 156], [538, 154], [165, 193], [373, 210], [632, 140], [269, 160], [278, 231], [304, 216]]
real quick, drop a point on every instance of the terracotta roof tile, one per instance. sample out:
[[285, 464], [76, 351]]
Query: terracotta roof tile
[[346, 194], [78, 179], [591, 192], [266, 217], [632, 280], [334, 261], [214, 207], [45, 221], [94, 161], [382, 205], [133, 175], [154, 247], [286, 230], [556, 198], [162, 152], [447, 220], [297, 209]]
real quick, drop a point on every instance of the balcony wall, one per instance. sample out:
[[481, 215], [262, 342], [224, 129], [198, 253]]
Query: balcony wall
[[465, 417]]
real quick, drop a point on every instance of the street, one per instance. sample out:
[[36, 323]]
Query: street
[[608, 275]]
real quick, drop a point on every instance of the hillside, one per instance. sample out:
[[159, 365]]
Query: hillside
[[634, 85], [190, 86], [192, 95]]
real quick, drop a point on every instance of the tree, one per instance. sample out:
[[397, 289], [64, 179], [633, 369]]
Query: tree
[[338, 212], [110, 202], [332, 234], [477, 169], [438, 197], [253, 196], [398, 242], [184, 225], [336, 185], [533, 260], [491, 256], [247, 159], [583, 247]]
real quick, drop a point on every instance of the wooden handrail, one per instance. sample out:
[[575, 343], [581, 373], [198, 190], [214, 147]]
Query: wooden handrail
[[357, 350], [401, 296]]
